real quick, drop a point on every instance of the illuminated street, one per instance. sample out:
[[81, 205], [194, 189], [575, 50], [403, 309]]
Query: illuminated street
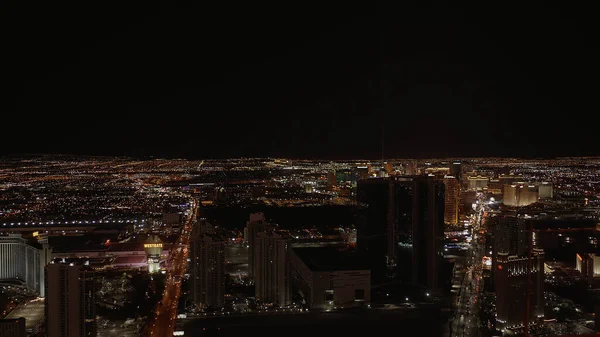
[[465, 321], [166, 311]]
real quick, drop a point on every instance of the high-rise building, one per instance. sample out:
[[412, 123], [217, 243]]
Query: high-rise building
[[271, 269], [456, 170], [12, 327], [508, 237], [208, 267], [545, 190], [588, 265], [520, 194], [385, 218], [25, 262], [153, 247], [70, 306], [255, 225], [511, 279], [477, 183], [427, 230], [451, 200]]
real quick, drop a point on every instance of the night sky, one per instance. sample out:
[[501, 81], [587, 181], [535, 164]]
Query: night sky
[[304, 80]]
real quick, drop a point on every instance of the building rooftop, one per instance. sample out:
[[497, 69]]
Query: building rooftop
[[329, 259], [32, 311]]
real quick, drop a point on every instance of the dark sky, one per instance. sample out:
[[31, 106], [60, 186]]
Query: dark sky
[[303, 80]]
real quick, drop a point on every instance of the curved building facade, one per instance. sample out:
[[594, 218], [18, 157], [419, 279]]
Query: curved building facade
[[20, 261]]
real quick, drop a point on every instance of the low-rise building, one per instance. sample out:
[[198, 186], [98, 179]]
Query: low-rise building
[[327, 278]]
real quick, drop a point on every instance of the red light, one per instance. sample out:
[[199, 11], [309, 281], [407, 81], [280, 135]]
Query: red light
[[499, 267]]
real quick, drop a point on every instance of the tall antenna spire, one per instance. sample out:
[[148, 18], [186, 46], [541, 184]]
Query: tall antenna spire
[[382, 142]]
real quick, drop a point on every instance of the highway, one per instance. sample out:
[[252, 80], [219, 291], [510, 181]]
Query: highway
[[465, 322], [166, 310]]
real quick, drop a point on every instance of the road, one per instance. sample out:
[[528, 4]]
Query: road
[[465, 322], [166, 310]]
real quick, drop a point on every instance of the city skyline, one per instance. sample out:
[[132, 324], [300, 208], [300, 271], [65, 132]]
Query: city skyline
[[194, 247], [226, 169]]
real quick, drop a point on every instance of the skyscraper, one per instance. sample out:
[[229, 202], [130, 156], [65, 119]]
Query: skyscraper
[[520, 194], [23, 261], [70, 306], [451, 200], [153, 247], [271, 269], [387, 216], [508, 237], [427, 230], [256, 224], [511, 278], [208, 266], [456, 170]]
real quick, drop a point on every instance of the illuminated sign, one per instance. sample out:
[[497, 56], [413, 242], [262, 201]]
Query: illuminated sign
[[153, 245], [35, 234]]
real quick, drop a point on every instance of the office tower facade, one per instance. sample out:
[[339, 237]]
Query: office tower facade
[[21, 261], [386, 217], [509, 235], [271, 269], [208, 267], [256, 224], [70, 305], [12, 327], [511, 280], [427, 230], [452, 192]]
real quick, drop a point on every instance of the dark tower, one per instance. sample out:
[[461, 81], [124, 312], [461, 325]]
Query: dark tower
[[428, 230], [386, 216]]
